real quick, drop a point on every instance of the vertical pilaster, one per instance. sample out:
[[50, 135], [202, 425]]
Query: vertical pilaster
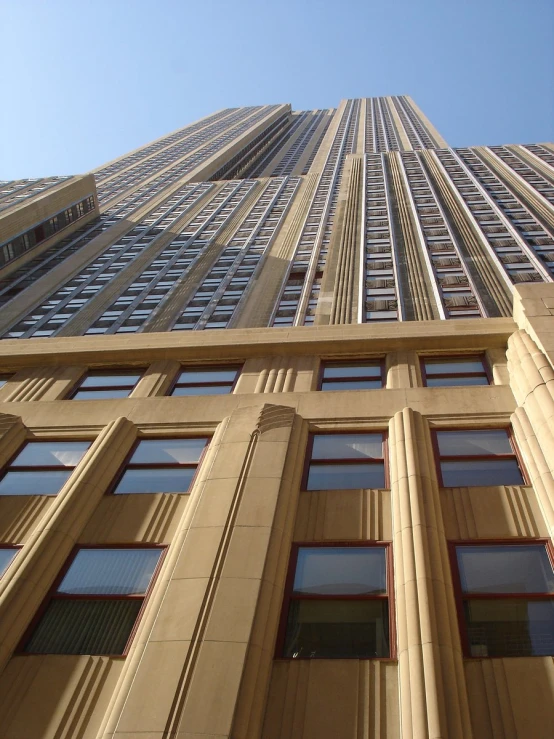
[[433, 693]]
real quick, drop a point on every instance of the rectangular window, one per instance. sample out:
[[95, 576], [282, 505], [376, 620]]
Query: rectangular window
[[95, 605], [42, 467], [337, 604], [451, 371], [7, 555], [478, 457], [206, 381], [162, 466], [99, 385], [351, 375], [345, 461], [506, 599]]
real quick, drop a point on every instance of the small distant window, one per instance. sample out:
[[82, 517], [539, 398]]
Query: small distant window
[[162, 466], [98, 385], [337, 606], [95, 607], [42, 467], [4, 379], [206, 381], [478, 457], [351, 375], [451, 371], [507, 599], [7, 555], [345, 462]]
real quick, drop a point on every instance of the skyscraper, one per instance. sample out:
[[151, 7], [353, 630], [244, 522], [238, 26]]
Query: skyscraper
[[277, 435]]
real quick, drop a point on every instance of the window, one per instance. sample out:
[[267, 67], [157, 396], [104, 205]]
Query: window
[[4, 379], [98, 385], [478, 457], [506, 598], [449, 371], [42, 467], [345, 461], [337, 604], [206, 381], [351, 375], [94, 607], [7, 555], [162, 466]]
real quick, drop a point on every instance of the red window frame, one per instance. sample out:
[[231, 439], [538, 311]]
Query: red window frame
[[338, 460], [204, 368], [460, 596], [509, 431], [107, 373], [288, 594], [380, 362], [448, 358], [52, 595]]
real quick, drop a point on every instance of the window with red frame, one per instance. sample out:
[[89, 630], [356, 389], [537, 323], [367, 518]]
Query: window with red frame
[[337, 603], [345, 461], [478, 457], [351, 375], [452, 371], [206, 381], [506, 599], [96, 604], [107, 384], [7, 555]]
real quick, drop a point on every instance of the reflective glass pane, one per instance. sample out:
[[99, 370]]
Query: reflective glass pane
[[347, 446], [202, 390], [93, 380], [446, 366], [352, 385], [161, 480], [101, 394], [337, 629], [453, 381], [6, 556], [45, 482], [168, 451], [352, 370], [110, 572], [341, 571], [505, 568], [481, 472], [511, 627], [345, 476], [51, 454], [475, 442], [208, 375]]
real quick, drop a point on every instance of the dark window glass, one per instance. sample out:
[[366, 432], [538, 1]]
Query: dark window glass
[[500, 621], [162, 466], [478, 457], [100, 385], [206, 381], [4, 379], [42, 467], [351, 376], [6, 556], [450, 371], [346, 461], [338, 605], [76, 622]]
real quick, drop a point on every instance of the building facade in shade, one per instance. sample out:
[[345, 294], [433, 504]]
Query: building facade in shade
[[277, 435]]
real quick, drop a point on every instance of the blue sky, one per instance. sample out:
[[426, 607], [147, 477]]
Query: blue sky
[[89, 81]]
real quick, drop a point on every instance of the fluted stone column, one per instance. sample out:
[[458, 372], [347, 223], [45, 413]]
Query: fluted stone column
[[433, 694], [40, 560]]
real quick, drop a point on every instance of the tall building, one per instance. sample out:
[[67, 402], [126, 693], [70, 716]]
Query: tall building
[[330, 515]]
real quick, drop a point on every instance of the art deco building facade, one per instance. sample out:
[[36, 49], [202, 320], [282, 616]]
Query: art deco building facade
[[277, 435]]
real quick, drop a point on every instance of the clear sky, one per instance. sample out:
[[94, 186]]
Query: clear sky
[[84, 82]]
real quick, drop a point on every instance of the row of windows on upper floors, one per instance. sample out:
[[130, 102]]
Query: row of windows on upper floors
[[333, 461], [338, 600], [436, 371]]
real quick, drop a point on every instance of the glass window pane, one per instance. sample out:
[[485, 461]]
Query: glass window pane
[[345, 476], [481, 472], [446, 366], [347, 446], [6, 556], [352, 370], [511, 627], [168, 451], [454, 381], [45, 482], [505, 568], [101, 394], [93, 380], [476, 442], [51, 454], [337, 629], [110, 572], [202, 390], [341, 571], [85, 627], [208, 375], [352, 385], [161, 480]]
